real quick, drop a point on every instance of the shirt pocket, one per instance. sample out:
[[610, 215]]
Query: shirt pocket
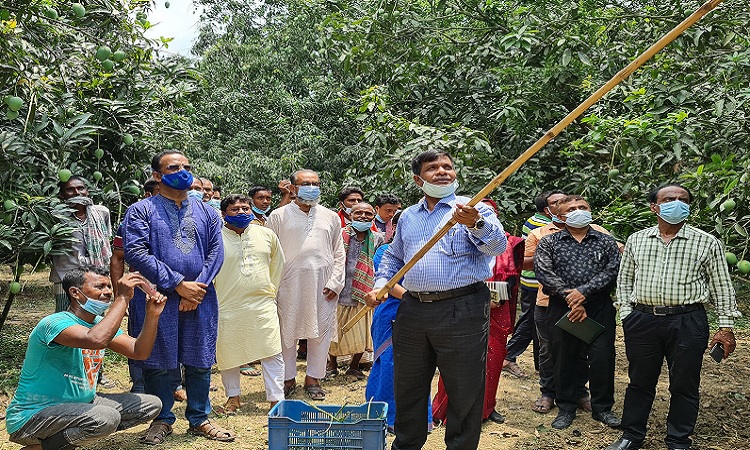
[[456, 243]]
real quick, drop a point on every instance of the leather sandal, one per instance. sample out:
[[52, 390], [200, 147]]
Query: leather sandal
[[230, 408], [315, 392], [213, 432], [289, 389], [355, 374], [157, 433]]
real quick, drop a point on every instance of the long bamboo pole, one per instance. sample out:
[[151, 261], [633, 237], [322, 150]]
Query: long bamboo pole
[[551, 134]]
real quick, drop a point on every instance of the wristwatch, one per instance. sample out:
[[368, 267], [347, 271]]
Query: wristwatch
[[478, 224]]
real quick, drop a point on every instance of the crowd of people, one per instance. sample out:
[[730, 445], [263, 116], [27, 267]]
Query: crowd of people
[[209, 279]]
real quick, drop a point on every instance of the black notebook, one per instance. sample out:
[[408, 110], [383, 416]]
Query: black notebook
[[586, 331]]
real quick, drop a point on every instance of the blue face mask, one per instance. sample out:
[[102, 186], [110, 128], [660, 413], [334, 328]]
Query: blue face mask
[[379, 219], [361, 226], [439, 190], [198, 195], [240, 220], [180, 181], [262, 212], [214, 203], [578, 218], [309, 193], [674, 212], [95, 307]]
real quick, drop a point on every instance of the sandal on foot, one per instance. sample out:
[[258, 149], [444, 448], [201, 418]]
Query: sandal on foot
[[585, 403], [315, 392], [250, 371], [513, 370], [355, 373], [157, 433], [230, 408], [210, 431], [331, 374], [543, 405], [289, 389]]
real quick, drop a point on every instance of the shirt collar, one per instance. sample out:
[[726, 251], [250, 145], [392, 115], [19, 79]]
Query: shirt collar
[[449, 201], [590, 233], [685, 232], [166, 201]]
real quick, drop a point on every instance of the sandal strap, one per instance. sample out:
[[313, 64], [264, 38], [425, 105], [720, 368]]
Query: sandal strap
[[212, 431], [157, 432]]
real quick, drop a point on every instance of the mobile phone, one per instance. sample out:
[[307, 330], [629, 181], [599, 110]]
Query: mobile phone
[[717, 352]]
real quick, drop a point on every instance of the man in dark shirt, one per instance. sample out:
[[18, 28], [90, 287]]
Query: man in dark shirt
[[578, 267]]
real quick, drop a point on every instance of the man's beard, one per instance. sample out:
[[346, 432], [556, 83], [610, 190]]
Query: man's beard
[[308, 202]]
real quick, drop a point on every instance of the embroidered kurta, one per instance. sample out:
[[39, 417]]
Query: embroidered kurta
[[315, 259], [246, 288], [167, 245]]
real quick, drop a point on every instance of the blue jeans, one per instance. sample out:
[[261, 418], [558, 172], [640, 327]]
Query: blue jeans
[[197, 382]]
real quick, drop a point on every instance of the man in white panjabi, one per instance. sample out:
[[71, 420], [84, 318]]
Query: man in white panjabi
[[246, 288], [313, 278]]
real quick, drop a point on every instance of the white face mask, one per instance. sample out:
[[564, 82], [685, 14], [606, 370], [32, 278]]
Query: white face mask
[[578, 218], [438, 190]]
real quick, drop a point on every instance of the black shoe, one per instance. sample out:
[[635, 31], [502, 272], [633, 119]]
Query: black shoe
[[563, 419], [624, 444], [608, 418], [496, 417]]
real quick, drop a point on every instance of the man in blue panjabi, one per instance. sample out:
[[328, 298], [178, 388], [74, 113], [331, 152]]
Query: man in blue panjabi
[[175, 242]]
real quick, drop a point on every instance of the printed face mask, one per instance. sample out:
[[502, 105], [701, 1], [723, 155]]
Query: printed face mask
[[180, 181]]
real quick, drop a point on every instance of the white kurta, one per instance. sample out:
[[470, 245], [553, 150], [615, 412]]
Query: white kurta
[[246, 287], [315, 259]]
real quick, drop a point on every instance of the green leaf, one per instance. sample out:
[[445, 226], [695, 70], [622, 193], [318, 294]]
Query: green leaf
[[566, 56]]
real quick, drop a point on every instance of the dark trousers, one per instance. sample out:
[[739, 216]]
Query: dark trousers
[[566, 351], [452, 336], [524, 332], [136, 377], [649, 339], [547, 364]]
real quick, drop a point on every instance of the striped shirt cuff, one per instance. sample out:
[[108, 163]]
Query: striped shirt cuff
[[625, 309], [726, 322]]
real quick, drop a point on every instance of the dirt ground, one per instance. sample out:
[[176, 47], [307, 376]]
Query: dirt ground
[[723, 423]]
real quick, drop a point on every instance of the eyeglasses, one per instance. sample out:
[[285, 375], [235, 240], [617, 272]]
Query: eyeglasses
[[176, 167], [308, 183]]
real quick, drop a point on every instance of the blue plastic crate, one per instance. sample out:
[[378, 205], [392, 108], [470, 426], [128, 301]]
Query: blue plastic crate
[[294, 424]]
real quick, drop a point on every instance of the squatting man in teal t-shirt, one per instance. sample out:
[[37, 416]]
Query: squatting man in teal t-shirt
[[56, 405]]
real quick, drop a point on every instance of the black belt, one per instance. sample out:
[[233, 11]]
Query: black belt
[[429, 297], [668, 310]]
